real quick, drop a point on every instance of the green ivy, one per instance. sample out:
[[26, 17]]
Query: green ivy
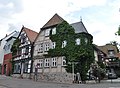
[[83, 54], [14, 51], [15, 47]]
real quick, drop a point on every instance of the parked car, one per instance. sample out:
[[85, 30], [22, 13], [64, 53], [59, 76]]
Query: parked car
[[112, 76]]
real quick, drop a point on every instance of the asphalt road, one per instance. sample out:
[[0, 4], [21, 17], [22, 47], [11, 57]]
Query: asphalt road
[[9, 82]]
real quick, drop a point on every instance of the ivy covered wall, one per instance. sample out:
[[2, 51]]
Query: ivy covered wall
[[81, 54]]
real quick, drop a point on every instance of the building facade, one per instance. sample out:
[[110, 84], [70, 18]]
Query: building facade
[[22, 60], [111, 60], [2, 45], [7, 65], [52, 68]]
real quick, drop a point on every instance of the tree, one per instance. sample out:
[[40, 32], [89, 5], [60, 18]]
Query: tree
[[14, 50], [118, 32], [82, 54], [15, 47]]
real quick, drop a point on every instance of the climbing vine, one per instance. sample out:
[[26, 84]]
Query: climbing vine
[[15, 47], [14, 50], [82, 54]]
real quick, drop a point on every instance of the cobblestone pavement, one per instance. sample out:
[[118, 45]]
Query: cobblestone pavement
[[9, 82]]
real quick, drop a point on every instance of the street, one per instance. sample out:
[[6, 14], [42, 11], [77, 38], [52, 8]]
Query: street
[[9, 82]]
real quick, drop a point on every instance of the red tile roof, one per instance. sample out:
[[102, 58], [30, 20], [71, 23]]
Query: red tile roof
[[31, 34]]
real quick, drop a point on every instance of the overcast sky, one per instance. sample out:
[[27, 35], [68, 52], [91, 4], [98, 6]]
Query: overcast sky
[[100, 17]]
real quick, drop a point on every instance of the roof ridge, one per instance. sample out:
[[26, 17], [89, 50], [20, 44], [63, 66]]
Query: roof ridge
[[53, 21], [30, 29], [9, 34]]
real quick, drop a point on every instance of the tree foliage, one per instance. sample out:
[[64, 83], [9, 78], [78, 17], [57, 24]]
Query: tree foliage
[[15, 47], [118, 32], [82, 54]]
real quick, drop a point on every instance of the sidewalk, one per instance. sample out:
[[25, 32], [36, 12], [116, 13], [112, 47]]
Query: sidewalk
[[105, 81]]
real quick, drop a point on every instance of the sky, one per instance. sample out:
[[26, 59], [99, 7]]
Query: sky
[[100, 17]]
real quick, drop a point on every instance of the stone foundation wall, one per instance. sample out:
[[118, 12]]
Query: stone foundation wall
[[21, 76], [55, 77]]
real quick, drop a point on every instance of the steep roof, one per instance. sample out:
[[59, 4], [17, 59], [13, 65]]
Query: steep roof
[[30, 33], [79, 27], [107, 47], [56, 19]]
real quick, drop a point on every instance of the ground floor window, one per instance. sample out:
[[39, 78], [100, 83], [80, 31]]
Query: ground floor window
[[25, 68], [17, 68], [54, 62]]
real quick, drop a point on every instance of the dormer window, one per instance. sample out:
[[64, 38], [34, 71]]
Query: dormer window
[[64, 43], [111, 52], [47, 32], [54, 31], [77, 41]]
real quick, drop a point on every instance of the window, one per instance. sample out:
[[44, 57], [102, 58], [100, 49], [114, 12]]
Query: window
[[47, 32], [46, 62], [63, 61], [54, 62], [40, 48], [19, 51], [53, 45], [77, 41], [25, 67], [53, 31], [23, 38], [23, 50], [5, 47], [111, 52], [8, 46], [46, 46], [86, 40], [64, 43], [40, 63], [27, 50], [17, 68]]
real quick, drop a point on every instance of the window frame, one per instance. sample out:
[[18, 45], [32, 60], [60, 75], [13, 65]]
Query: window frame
[[40, 47], [47, 32], [64, 43], [78, 41], [54, 62], [47, 62], [86, 40], [47, 46], [53, 45], [54, 31], [63, 60]]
